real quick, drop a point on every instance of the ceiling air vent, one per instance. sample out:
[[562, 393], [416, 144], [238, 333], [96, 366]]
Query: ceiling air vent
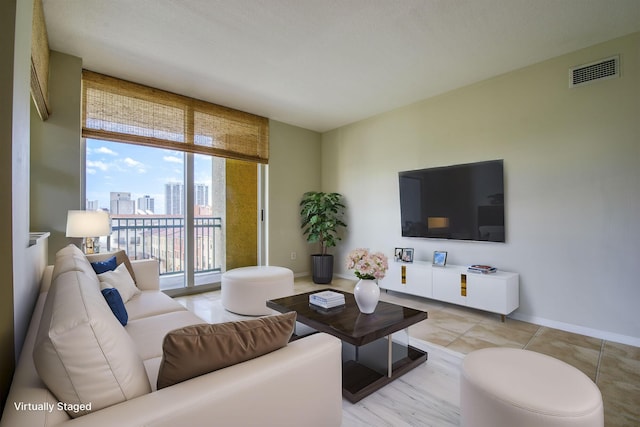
[[604, 69]]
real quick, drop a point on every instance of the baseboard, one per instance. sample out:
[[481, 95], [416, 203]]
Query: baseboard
[[582, 330], [303, 274]]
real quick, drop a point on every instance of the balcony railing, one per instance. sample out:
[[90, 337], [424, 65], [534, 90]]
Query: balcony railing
[[162, 237]]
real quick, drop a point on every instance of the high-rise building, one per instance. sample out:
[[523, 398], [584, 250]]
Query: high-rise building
[[146, 203], [121, 203], [201, 195], [92, 205], [174, 198]]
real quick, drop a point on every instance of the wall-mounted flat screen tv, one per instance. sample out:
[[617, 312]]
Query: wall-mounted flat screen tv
[[459, 202]]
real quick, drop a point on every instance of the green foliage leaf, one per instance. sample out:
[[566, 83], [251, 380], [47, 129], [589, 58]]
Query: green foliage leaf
[[321, 215]]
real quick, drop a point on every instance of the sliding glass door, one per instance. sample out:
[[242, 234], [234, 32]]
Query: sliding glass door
[[196, 214]]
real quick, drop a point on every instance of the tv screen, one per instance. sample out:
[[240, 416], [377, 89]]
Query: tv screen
[[460, 202]]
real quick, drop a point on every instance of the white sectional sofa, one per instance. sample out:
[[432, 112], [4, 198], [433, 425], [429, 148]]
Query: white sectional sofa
[[88, 357]]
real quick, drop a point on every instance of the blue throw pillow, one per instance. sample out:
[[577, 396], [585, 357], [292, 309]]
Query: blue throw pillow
[[104, 266], [115, 303]]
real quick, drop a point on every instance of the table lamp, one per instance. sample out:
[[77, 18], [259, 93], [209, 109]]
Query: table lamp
[[88, 225]]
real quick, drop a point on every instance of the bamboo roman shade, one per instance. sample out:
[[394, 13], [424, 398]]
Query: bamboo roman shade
[[118, 110]]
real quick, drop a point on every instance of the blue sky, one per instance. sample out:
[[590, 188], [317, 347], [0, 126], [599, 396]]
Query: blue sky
[[113, 166]]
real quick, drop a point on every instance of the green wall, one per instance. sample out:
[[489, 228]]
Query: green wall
[[15, 63], [294, 168], [57, 164], [572, 183]]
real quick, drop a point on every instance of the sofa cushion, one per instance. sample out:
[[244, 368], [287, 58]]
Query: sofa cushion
[[70, 258], [121, 280], [121, 258], [151, 303], [147, 333], [103, 266], [152, 366], [82, 353], [199, 349], [112, 296]]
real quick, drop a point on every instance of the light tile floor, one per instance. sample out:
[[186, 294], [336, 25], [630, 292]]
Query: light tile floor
[[614, 367]]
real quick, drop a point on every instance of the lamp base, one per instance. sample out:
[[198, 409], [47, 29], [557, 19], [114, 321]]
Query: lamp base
[[91, 245]]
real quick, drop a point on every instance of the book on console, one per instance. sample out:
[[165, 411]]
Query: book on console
[[484, 269]]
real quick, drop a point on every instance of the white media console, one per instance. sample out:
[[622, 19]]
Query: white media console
[[495, 292]]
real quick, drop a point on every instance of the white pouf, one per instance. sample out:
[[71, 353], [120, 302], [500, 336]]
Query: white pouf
[[507, 387], [246, 290]]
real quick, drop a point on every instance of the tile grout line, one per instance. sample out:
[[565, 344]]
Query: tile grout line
[[599, 361], [534, 336], [462, 334]]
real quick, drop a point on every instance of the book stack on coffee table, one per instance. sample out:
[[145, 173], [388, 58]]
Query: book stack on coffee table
[[327, 299]]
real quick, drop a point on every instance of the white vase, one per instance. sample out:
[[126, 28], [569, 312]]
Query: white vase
[[367, 294]]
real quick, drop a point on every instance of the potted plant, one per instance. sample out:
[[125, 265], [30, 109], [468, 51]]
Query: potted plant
[[321, 219]]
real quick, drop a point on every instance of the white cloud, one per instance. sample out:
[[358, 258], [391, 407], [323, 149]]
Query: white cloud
[[97, 165], [105, 150], [132, 163], [91, 171], [135, 164], [172, 159]]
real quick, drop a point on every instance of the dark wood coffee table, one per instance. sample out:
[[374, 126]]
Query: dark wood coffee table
[[371, 357]]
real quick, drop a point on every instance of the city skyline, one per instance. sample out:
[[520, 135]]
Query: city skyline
[[113, 167]]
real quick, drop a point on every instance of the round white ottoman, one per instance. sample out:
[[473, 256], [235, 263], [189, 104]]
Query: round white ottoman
[[506, 387], [245, 290]]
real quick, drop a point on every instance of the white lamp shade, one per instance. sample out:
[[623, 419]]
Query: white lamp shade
[[88, 224]]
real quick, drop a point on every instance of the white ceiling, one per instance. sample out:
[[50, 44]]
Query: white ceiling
[[320, 64]]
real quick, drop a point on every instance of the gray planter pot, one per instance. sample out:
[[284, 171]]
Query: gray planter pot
[[322, 268]]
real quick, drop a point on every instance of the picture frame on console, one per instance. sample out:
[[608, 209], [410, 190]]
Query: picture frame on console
[[407, 254], [397, 254], [439, 258]]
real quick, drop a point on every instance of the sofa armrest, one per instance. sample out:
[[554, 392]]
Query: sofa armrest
[[45, 282], [147, 273], [300, 384]]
